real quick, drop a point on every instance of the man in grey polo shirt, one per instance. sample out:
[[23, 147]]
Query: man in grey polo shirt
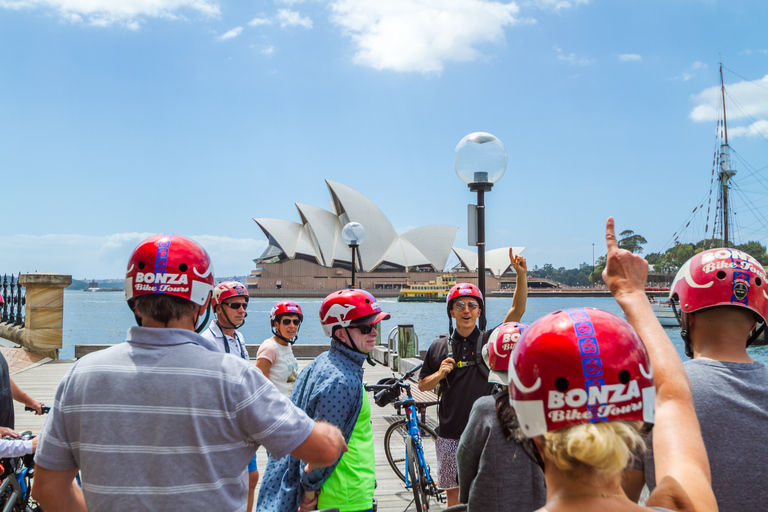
[[163, 422]]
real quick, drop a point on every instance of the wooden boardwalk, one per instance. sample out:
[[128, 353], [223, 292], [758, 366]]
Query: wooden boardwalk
[[41, 382]]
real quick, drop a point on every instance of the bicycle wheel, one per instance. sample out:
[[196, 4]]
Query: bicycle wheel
[[421, 485], [396, 439], [412, 465]]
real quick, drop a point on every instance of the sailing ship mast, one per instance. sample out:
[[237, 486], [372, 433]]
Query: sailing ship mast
[[725, 173]]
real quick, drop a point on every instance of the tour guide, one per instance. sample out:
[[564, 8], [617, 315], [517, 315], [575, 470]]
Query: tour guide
[[330, 388], [455, 362], [164, 422]]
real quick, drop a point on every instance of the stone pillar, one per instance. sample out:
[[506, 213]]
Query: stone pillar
[[44, 312]]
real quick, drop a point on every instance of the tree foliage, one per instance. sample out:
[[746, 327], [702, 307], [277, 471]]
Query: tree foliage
[[631, 241]]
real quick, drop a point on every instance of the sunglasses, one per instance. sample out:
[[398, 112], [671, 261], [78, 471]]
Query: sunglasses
[[289, 321], [461, 305], [236, 305], [364, 329]]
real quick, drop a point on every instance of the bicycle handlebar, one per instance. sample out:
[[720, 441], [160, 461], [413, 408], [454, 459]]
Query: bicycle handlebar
[[44, 408]]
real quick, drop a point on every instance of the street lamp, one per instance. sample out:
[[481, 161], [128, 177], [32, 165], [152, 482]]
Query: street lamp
[[480, 160], [353, 235]]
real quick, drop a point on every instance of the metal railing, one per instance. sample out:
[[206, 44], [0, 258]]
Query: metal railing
[[14, 300]]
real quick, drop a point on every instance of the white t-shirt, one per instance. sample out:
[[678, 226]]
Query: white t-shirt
[[285, 367]]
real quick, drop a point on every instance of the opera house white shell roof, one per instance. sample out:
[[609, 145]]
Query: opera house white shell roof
[[318, 235]]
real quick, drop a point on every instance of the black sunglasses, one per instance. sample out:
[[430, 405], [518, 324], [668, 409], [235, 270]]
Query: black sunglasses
[[289, 321], [363, 328], [236, 305]]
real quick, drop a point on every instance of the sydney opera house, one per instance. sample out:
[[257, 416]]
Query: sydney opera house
[[310, 257]]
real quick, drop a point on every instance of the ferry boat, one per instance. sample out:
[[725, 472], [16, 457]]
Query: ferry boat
[[433, 291]]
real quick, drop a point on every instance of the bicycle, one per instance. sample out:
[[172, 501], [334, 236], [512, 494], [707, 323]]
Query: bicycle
[[17, 475], [409, 443]]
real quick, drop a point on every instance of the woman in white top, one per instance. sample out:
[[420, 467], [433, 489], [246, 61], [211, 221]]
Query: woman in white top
[[275, 356]]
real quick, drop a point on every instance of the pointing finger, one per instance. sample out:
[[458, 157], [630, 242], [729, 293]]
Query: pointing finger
[[610, 236]]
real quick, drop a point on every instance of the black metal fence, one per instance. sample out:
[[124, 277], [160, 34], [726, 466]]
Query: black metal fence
[[13, 301]]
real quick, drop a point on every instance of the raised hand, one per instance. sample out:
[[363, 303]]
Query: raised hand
[[624, 272]]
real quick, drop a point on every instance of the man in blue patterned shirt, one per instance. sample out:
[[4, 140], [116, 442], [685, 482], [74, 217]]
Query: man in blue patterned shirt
[[331, 389]]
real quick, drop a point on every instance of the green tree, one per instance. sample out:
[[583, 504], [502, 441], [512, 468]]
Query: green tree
[[597, 274], [756, 250], [631, 241]]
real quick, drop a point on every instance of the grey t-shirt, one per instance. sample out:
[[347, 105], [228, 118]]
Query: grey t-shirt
[[731, 401]]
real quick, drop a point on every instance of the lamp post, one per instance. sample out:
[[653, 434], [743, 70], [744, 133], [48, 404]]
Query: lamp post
[[480, 160], [353, 235]]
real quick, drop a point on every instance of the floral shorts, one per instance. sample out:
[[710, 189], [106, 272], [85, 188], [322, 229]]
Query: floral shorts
[[447, 468]]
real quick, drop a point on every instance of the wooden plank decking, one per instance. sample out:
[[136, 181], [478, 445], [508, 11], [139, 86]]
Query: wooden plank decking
[[41, 382]]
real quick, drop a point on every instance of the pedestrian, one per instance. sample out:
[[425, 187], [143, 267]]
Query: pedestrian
[[164, 421], [721, 296], [584, 382], [495, 472], [330, 389], [229, 303], [275, 357], [454, 362]]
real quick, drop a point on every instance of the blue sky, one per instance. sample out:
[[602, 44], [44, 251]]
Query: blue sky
[[123, 119]]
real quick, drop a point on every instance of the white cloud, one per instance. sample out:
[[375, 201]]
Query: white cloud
[[557, 5], [288, 18], [421, 35], [749, 101], [572, 58], [127, 13], [269, 50], [231, 33], [691, 71], [105, 257], [630, 57], [255, 22]]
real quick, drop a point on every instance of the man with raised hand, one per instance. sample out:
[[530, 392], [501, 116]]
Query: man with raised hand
[[164, 422], [676, 426], [723, 307], [455, 362], [330, 389]]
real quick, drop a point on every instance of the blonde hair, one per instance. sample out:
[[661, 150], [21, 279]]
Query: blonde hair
[[605, 447]]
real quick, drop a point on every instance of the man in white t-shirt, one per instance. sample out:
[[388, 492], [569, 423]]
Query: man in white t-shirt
[[275, 358]]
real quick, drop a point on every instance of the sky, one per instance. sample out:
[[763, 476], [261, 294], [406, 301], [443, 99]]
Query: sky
[[119, 120]]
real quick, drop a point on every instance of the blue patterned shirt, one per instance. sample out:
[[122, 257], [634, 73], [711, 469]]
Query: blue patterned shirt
[[329, 389]]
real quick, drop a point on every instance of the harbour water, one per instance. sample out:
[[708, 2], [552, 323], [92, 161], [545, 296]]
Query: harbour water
[[104, 318]]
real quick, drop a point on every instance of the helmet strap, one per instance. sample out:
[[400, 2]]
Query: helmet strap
[[351, 343], [201, 326], [755, 334], [222, 310], [290, 341]]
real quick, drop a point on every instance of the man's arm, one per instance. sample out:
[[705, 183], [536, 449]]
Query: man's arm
[[322, 448], [677, 444], [516, 312], [430, 382], [21, 396], [57, 491]]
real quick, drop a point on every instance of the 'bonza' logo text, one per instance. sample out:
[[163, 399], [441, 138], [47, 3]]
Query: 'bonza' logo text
[[161, 278], [604, 397]]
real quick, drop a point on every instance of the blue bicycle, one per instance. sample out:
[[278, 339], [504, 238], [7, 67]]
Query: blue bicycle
[[17, 474], [405, 441]]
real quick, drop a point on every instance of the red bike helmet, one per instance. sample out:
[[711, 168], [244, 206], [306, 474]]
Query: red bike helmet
[[463, 290], [341, 308], [498, 349], [721, 277], [285, 307], [170, 264], [227, 289], [580, 365]]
